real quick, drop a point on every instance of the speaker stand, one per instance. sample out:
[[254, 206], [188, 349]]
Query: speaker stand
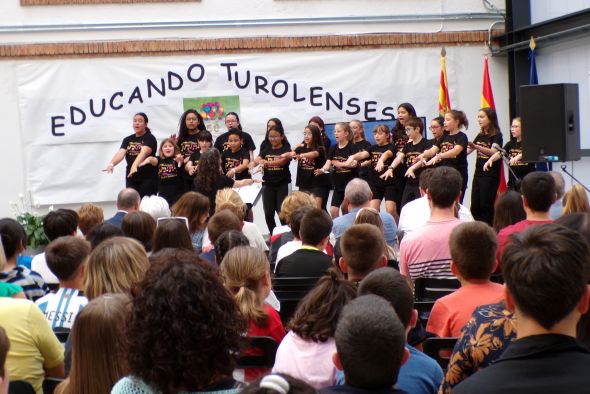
[[564, 169]]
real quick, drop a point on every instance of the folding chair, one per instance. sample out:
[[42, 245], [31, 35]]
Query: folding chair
[[260, 353], [431, 289], [440, 349]]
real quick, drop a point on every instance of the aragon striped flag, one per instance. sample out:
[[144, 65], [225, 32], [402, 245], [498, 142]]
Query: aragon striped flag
[[444, 103], [487, 100]]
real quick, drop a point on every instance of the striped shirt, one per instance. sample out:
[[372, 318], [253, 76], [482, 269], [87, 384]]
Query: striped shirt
[[31, 282], [60, 309], [424, 253]]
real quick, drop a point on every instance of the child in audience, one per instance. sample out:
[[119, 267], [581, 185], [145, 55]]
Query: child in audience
[[66, 257], [337, 157], [140, 226], [291, 246], [236, 159], [172, 233], [246, 273], [98, 351], [227, 241], [473, 249], [508, 210], [102, 232], [278, 383], [306, 352], [205, 141], [195, 208], [222, 221], [170, 167], [8, 289]]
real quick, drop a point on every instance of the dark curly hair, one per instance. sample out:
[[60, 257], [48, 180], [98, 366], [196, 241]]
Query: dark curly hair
[[184, 329], [317, 314], [209, 169]]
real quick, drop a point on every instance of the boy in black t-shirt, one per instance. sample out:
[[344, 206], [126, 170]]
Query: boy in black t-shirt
[[235, 159]]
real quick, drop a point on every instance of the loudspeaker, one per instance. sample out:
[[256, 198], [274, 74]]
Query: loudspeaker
[[550, 121]]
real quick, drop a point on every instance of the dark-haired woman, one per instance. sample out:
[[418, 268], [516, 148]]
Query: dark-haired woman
[[399, 139], [232, 121], [189, 126], [135, 148]]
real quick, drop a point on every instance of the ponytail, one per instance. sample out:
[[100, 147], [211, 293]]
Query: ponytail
[[460, 117]]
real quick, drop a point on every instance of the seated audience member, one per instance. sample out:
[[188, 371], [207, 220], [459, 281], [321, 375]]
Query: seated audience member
[[556, 209], [538, 193], [172, 233], [8, 289], [197, 355], [227, 241], [220, 222], [278, 383], [295, 224], [358, 194], [35, 352], [89, 215], [372, 216], [101, 232], [424, 253], [56, 224], [246, 273], [508, 210], [362, 247], [195, 207], [140, 226], [576, 200], [98, 351], [4, 346], [309, 260], [473, 248], [283, 234], [13, 239], [370, 347], [156, 206], [546, 269], [66, 258], [115, 266], [306, 352], [420, 374], [416, 213], [128, 200]]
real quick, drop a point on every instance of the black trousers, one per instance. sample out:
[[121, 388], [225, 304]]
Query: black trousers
[[411, 192], [145, 187], [483, 196], [272, 198]]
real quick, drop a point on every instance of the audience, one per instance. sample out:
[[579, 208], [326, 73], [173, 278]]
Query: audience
[[89, 215], [140, 226], [195, 208], [102, 232], [156, 206], [227, 241], [546, 269], [295, 224], [8, 289], [473, 248], [424, 253], [420, 374], [14, 238], [556, 209], [184, 330], [576, 200], [56, 224], [362, 247], [306, 351], [309, 260], [372, 216], [370, 342], [220, 222], [172, 233], [66, 258], [278, 383], [98, 346], [128, 200], [508, 210], [4, 346]]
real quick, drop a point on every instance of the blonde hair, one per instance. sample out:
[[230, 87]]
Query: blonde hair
[[292, 202], [576, 200], [346, 127], [361, 126], [230, 199], [115, 266], [98, 350], [89, 215], [243, 268]]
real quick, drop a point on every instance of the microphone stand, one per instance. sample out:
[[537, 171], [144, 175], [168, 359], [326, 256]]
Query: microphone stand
[[564, 169], [507, 161]]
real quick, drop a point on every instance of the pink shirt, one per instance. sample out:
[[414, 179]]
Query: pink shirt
[[307, 360], [450, 313], [514, 229]]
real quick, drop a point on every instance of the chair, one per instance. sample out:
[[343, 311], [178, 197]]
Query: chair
[[20, 387], [431, 289], [440, 349], [289, 292], [423, 308], [62, 334], [260, 354]]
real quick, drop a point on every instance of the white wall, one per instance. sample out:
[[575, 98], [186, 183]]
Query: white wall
[[542, 10]]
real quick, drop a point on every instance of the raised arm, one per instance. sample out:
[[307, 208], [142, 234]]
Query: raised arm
[[117, 158]]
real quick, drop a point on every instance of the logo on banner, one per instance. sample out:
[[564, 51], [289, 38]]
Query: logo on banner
[[213, 110]]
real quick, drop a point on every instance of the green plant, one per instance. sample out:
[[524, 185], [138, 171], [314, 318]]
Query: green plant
[[31, 221]]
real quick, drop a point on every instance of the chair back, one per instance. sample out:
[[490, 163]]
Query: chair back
[[423, 308], [440, 349], [260, 353], [62, 334], [290, 291], [20, 387], [431, 289]]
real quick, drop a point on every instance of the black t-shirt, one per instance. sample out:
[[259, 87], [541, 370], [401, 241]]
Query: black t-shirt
[[342, 176], [411, 151], [486, 141], [221, 142], [170, 183], [306, 167], [275, 175], [195, 157], [265, 144], [446, 143], [375, 153], [188, 145], [363, 145], [514, 148], [221, 182], [132, 145], [398, 142], [234, 159]]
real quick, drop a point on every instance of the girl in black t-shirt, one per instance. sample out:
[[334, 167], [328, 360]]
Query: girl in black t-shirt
[[485, 183], [236, 158], [205, 141], [189, 127], [337, 157], [169, 165], [278, 125], [358, 138], [399, 139], [276, 174], [326, 178], [134, 149]]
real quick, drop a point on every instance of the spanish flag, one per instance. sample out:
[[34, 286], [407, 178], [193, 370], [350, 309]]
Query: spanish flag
[[444, 103], [487, 100]]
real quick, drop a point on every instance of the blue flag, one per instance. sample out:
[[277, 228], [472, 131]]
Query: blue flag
[[533, 79]]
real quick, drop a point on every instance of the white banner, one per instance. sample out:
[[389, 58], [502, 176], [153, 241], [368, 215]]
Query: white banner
[[74, 113]]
